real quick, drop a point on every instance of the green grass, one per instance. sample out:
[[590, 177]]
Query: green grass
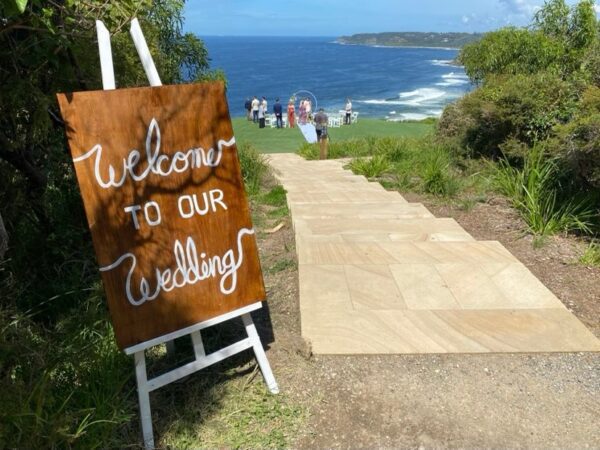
[[591, 256], [273, 140]]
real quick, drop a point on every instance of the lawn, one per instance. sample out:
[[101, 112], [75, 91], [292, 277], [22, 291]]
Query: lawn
[[273, 140]]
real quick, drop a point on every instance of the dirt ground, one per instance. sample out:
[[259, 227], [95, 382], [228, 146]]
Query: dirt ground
[[444, 401]]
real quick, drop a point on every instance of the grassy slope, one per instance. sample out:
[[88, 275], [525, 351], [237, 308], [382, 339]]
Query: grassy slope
[[272, 140]]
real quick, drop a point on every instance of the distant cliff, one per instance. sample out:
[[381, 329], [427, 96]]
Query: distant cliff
[[448, 40]]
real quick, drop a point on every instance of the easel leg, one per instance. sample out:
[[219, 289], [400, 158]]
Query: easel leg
[[259, 352], [198, 345], [144, 399]]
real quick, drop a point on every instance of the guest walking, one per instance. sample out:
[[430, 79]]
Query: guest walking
[[291, 111], [255, 105], [278, 111], [348, 109]]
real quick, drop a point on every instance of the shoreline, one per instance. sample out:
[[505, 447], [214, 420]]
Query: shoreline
[[396, 46]]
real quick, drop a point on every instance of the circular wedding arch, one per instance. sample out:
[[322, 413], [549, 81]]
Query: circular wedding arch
[[304, 91]]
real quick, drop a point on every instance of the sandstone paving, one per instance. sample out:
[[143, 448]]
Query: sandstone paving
[[380, 275]]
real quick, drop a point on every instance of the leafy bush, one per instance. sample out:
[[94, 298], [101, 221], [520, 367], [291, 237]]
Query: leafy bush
[[437, 176], [546, 202], [578, 142], [253, 166], [522, 110], [510, 51]]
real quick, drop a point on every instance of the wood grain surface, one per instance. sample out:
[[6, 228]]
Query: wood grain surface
[[144, 155]]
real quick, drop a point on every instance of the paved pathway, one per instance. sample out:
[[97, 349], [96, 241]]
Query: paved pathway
[[380, 275]]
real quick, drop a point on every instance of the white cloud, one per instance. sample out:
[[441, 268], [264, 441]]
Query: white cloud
[[465, 19], [520, 7]]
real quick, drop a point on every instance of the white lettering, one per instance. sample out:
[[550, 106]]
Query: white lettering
[[133, 210], [157, 218], [158, 164], [188, 270]]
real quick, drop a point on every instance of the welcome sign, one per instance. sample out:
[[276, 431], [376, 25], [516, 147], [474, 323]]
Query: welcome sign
[[164, 198]]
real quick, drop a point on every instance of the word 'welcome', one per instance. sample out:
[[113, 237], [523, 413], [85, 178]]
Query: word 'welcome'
[[159, 164]]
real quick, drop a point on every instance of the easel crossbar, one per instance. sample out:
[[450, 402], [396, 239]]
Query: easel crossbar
[[189, 330], [194, 366]]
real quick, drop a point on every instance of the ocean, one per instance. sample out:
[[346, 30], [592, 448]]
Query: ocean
[[383, 82]]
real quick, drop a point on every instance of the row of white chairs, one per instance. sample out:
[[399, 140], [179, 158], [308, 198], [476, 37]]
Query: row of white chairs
[[333, 122]]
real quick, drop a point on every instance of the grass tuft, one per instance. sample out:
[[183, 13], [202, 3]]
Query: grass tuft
[[591, 256], [536, 192], [370, 167]]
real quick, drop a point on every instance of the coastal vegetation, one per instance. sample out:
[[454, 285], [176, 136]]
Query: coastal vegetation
[[63, 380], [410, 39], [530, 130]]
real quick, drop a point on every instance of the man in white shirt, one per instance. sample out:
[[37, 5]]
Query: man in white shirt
[[348, 118], [255, 104]]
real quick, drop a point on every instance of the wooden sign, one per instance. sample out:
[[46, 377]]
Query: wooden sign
[[164, 197]]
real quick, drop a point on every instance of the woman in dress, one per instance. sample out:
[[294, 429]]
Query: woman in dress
[[308, 107], [303, 116], [291, 111]]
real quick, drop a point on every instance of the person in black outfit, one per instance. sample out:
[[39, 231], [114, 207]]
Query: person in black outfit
[[248, 107], [278, 111]]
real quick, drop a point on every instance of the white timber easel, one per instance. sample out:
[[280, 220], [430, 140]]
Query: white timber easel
[[145, 385]]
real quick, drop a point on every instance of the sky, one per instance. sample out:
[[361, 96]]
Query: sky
[[338, 17]]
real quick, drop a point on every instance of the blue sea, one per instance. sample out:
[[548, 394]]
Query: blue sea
[[383, 82]]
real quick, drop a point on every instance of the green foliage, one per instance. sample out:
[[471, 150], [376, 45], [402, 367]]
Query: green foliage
[[547, 203], [253, 166], [591, 256], [64, 382], [437, 176], [509, 114], [275, 197], [578, 142], [510, 51], [370, 167], [556, 42]]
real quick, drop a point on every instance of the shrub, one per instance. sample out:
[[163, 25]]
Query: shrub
[[437, 176], [537, 191], [591, 256], [370, 167], [510, 51], [253, 166], [578, 142], [518, 109]]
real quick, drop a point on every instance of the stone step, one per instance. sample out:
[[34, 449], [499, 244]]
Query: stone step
[[382, 230], [446, 331], [387, 210], [336, 253], [355, 196]]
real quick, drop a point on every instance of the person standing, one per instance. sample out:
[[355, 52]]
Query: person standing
[[255, 105], [302, 120], [261, 116], [308, 106], [278, 111], [348, 109], [248, 107], [291, 113], [265, 105], [321, 122]]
